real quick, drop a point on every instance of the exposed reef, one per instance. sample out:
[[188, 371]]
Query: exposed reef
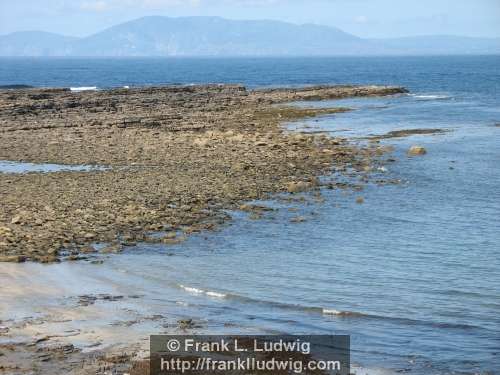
[[176, 157]]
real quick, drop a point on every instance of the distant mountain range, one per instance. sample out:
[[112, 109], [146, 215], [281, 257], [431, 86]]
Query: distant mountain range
[[214, 36]]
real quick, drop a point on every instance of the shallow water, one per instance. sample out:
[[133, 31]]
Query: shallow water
[[413, 274], [7, 166]]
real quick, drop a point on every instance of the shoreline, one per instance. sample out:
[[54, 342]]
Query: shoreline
[[178, 156], [53, 338], [368, 252]]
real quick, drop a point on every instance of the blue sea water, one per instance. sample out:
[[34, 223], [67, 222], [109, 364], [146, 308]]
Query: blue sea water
[[417, 266]]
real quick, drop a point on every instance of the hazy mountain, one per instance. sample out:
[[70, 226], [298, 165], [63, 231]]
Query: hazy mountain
[[214, 36], [201, 36]]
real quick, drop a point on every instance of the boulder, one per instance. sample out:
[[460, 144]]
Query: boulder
[[16, 219], [297, 187], [170, 235], [417, 151], [360, 200]]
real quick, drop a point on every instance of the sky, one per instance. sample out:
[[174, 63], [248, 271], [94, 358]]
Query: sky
[[364, 18]]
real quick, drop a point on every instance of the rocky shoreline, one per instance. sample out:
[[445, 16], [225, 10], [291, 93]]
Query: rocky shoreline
[[176, 157]]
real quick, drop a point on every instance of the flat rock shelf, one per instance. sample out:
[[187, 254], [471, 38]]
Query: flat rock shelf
[[185, 155]]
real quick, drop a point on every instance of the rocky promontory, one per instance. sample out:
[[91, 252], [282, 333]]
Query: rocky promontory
[[173, 159]]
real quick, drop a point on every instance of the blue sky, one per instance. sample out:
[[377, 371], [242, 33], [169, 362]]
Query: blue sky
[[365, 18]]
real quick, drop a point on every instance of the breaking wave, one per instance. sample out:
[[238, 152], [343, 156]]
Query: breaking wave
[[84, 88], [343, 313], [327, 312], [209, 293]]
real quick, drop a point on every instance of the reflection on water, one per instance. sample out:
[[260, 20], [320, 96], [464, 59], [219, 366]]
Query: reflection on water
[[20, 167]]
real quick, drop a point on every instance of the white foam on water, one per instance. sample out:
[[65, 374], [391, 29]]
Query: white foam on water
[[430, 97], [192, 290], [342, 313], [331, 312], [84, 88], [358, 370], [215, 294], [201, 291]]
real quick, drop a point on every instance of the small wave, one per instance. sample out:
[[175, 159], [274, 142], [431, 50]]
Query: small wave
[[79, 89], [343, 313], [192, 290], [400, 320], [326, 311], [346, 313], [215, 294], [273, 304], [430, 97], [201, 291]]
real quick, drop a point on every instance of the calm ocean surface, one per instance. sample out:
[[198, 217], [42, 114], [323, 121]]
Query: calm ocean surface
[[417, 265]]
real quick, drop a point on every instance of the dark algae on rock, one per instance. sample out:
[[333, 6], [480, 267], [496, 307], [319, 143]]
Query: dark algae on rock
[[177, 156]]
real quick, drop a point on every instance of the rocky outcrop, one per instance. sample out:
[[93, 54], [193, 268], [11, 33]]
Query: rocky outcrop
[[177, 157]]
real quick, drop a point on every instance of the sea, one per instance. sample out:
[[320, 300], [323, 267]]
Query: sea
[[412, 274]]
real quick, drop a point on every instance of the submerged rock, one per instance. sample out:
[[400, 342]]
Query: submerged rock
[[185, 323], [170, 236], [408, 132], [416, 151], [88, 250], [113, 249], [298, 187], [173, 240]]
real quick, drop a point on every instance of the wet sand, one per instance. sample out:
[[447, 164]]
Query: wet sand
[[49, 325], [81, 318]]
